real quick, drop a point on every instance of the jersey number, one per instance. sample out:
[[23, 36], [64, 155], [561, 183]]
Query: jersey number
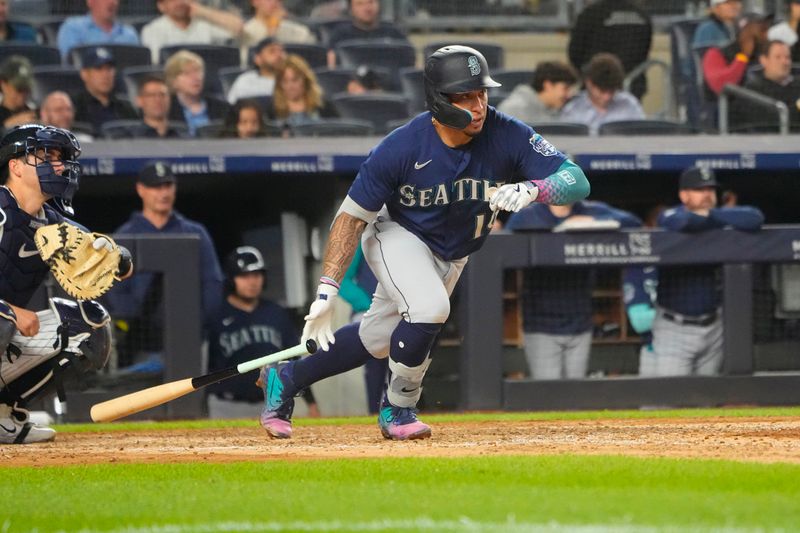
[[480, 225]]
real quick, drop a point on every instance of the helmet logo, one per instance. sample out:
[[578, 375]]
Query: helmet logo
[[474, 65]]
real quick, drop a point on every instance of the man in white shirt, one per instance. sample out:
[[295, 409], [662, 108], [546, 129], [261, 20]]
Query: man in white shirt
[[189, 22], [268, 57]]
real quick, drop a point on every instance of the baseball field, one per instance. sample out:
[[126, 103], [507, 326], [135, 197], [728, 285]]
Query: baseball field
[[672, 471]]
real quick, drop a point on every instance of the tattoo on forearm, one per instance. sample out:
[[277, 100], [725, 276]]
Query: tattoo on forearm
[[342, 244]]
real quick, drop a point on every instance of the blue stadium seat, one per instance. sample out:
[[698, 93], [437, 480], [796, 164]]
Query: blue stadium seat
[[228, 75], [645, 127], [494, 53], [132, 76], [413, 88], [37, 54], [375, 108], [687, 76], [335, 80], [125, 55], [49, 78], [388, 54], [561, 128], [315, 55], [511, 78], [334, 127]]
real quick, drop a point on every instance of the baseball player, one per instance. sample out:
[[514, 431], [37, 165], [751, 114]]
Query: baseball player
[[424, 199], [245, 327], [687, 328], [39, 164]]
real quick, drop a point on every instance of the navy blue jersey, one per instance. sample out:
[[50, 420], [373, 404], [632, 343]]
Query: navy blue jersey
[[237, 336], [696, 290], [558, 301], [440, 194], [21, 268]]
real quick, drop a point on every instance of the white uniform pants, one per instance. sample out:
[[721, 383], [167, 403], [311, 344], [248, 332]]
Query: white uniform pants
[[558, 356], [685, 349], [413, 283]]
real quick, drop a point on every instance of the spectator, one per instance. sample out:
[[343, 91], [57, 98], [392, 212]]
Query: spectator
[[270, 20], [365, 23], [728, 64], [57, 110], [687, 329], [543, 98], [246, 326], [138, 300], [603, 99], [268, 57], [185, 73], [787, 30], [16, 81], [618, 27], [557, 302], [364, 80], [298, 98], [14, 31], [189, 22], [720, 29], [97, 103], [775, 81], [153, 101], [245, 120], [99, 26]]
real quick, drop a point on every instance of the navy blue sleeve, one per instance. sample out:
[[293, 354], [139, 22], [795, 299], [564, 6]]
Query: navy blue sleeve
[[377, 178], [745, 218], [536, 157], [625, 219], [531, 218], [681, 219], [211, 278]]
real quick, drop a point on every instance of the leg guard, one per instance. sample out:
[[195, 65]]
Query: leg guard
[[405, 384], [70, 334]]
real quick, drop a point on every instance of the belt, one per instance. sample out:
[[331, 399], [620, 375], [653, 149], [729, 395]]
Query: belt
[[702, 320]]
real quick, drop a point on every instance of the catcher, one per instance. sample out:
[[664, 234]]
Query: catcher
[[39, 164]]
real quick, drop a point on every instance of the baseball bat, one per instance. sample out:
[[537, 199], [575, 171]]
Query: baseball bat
[[138, 401]]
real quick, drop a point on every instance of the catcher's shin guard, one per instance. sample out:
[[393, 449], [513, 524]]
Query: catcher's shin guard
[[70, 334]]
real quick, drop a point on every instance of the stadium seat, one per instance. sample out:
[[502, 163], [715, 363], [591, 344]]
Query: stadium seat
[[334, 81], [228, 75], [645, 127], [211, 130], [561, 128], [132, 76], [394, 124], [37, 54], [375, 108], [511, 78], [215, 57], [315, 55], [334, 128], [325, 28], [126, 129], [687, 76], [125, 55], [48, 31], [494, 53], [387, 54], [413, 88], [49, 78]]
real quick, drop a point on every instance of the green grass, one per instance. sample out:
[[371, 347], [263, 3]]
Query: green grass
[[459, 417], [504, 494]]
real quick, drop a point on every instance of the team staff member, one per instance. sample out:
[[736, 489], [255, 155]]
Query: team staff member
[[39, 164], [687, 329], [246, 327], [422, 202]]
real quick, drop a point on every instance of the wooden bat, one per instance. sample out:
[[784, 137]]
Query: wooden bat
[[138, 401]]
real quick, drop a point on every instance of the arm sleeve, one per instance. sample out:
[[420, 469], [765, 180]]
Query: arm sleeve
[[567, 185], [210, 276], [741, 217], [717, 72], [683, 220]]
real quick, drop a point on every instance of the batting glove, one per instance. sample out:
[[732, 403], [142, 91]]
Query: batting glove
[[513, 196], [318, 319]]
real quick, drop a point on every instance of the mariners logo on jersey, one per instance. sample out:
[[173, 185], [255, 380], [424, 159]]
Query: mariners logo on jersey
[[542, 145]]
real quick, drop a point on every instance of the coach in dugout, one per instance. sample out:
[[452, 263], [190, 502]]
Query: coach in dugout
[[687, 329]]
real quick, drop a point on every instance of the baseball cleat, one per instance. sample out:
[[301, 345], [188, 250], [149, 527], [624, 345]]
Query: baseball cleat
[[15, 427], [276, 418], [401, 423]]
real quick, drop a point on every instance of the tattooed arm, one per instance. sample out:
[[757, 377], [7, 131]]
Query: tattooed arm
[[342, 243]]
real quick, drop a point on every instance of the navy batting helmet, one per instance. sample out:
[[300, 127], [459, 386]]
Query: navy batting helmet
[[30, 139], [451, 70], [242, 260]]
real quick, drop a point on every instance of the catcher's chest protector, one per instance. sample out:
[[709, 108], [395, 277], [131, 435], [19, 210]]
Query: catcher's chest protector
[[21, 268]]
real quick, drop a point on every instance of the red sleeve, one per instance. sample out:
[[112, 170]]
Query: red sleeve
[[717, 72]]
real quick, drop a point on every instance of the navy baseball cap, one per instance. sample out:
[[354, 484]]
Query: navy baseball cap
[[263, 43], [96, 57], [156, 174], [698, 178]]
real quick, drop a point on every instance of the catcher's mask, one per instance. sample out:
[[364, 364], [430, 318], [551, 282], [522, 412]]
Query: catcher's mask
[[242, 260], [451, 70], [31, 139]]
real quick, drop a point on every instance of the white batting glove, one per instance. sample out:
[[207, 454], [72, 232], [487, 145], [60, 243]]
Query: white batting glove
[[318, 319], [513, 196]]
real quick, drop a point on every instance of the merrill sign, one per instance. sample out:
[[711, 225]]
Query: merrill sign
[[637, 248]]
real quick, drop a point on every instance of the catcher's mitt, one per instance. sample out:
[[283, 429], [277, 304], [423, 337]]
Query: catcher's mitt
[[85, 264]]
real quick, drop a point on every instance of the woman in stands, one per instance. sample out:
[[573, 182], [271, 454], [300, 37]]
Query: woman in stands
[[298, 98]]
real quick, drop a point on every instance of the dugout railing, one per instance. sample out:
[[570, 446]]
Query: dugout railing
[[483, 387]]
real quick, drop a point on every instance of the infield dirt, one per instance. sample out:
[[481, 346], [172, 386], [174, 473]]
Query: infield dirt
[[772, 439]]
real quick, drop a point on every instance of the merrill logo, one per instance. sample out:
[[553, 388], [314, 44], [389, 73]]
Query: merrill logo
[[640, 244]]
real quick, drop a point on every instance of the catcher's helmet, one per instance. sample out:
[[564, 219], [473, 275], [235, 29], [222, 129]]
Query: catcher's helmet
[[28, 139], [450, 70], [242, 260]]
